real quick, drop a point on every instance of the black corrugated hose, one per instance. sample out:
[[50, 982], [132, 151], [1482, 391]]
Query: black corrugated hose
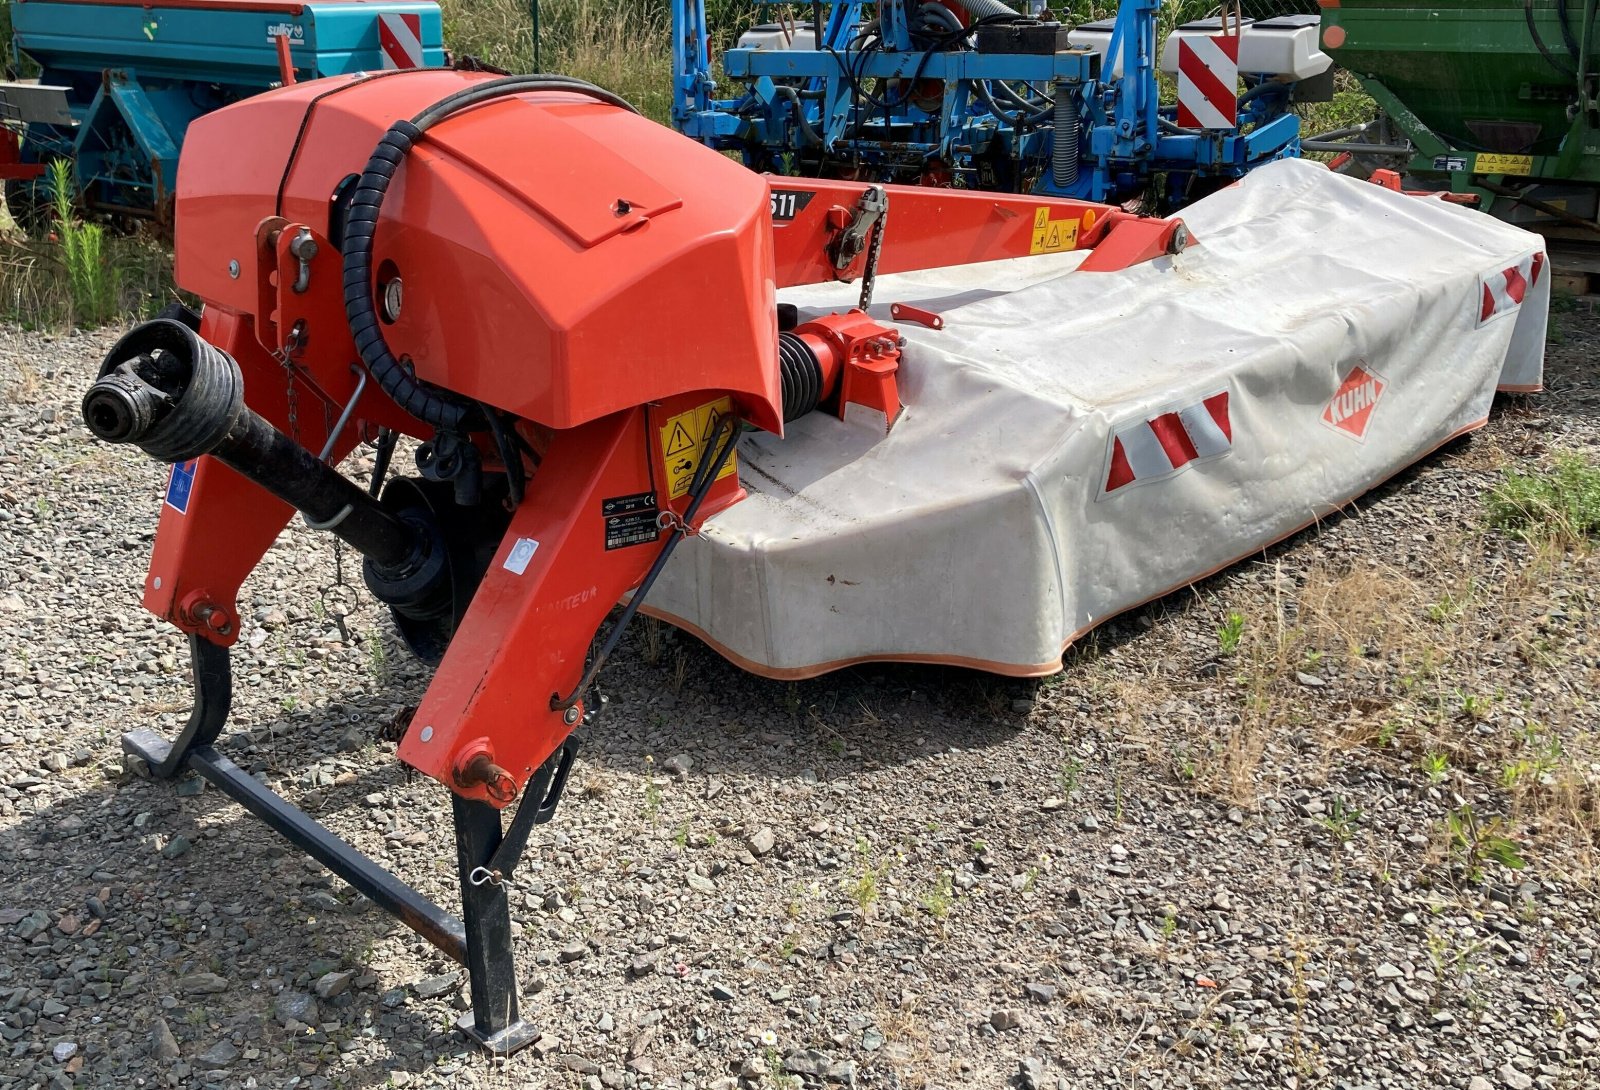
[[438, 407]]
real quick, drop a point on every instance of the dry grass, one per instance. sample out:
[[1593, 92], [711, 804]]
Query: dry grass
[[36, 289], [1437, 679], [624, 48]]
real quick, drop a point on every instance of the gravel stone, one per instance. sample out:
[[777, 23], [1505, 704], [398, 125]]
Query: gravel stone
[[1006, 1019], [1515, 1079], [163, 1045], [291, 1006], [434, 986], [331, 984], [220, 1056], [203, 984]]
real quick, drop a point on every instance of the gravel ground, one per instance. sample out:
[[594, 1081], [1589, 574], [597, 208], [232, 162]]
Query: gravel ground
[[1261, 833]]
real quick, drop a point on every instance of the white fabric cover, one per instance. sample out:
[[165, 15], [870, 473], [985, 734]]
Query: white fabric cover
[[980, 530]]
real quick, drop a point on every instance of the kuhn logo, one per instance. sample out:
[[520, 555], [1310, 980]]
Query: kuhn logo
[[1350, 411]]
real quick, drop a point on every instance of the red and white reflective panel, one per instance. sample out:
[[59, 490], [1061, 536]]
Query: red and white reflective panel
[[1208, 81], [1157, 448], [1503, 291], [400, 38]]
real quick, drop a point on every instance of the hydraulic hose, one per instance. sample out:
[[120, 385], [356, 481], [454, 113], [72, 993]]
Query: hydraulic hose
[[938, 13], [989, 9], [800, 118], [1035, 107], [1566, 30], [981, 89], [1064, 141], [1539, 43], [438, 407]]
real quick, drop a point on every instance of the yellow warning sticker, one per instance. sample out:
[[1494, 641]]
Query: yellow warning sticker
[[684, 440], [1052, 236], [1503, 164]]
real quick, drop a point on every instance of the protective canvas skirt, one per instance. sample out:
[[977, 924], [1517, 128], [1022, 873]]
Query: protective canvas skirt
[[1077, 443]]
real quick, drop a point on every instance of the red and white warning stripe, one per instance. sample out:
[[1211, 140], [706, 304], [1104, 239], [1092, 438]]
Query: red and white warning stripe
[[400, 38], [1152, 449], [1208, 82], [1502, 292]]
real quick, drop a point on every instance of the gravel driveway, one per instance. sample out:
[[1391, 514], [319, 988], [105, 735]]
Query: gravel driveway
[[1263, 832]]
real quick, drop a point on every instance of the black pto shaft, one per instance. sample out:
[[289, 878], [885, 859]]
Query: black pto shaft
[[177, 397]]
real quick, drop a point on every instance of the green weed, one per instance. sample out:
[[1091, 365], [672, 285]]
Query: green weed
[[92, 285], [1559, 507], [1341, 820], [867, 886], [937, 901], [1473, 842], [1230, 633]]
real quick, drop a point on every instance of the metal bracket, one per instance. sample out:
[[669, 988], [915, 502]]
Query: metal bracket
[[539, 800], [853, 238], [213, 699]]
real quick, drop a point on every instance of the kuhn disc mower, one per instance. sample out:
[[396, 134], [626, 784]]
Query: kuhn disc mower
[[1054, 411]]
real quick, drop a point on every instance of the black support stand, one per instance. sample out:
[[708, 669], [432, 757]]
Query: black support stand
[[482, 942], [493, 1022]]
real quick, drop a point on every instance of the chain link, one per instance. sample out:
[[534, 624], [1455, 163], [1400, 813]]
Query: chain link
[[285, 357], [869, 274]]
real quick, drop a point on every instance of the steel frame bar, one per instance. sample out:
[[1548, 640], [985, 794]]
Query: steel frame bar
[[960, 65], [480, 940]]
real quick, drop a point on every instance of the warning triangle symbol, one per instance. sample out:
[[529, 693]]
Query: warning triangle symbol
[[680, 440], [713, 418], [1053, 239]]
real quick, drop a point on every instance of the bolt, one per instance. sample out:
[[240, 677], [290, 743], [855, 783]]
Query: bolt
[[481, 769], [427, 734], [233, 269], [1180, 239], [213, 618], [570, 716]]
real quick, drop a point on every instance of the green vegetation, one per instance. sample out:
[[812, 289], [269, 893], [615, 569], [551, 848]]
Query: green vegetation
[[1559, 507], [867, 885], [1230, 633], [77, 273], [1473, 841]]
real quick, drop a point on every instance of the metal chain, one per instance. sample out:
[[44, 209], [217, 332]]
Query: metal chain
[[869, 274], [339, 609], [285, 357]]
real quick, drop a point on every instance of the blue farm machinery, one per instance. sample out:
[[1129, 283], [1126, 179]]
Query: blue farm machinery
[[120, 81], [974, 94]]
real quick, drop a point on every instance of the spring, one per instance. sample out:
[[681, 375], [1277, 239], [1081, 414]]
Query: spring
[[1064, 144]]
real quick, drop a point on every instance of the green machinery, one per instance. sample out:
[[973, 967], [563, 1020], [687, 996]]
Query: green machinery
[[1497, 98]]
